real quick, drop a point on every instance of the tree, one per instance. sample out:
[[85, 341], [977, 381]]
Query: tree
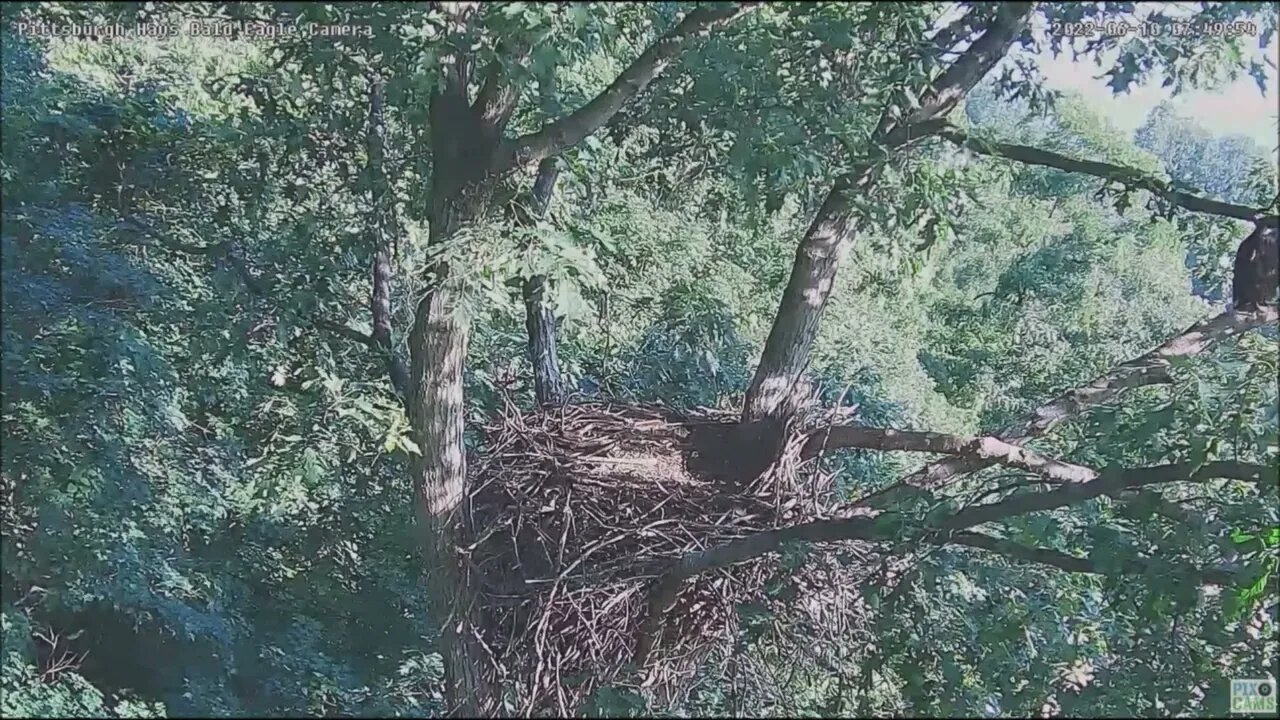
[[972, 450], [1234, 169], [790, 340], [540, 320], [785, 355], [217, 250], [463, 132]]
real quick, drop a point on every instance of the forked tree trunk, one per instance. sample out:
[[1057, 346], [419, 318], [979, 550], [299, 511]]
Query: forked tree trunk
[[469, 158], [786, 352], [461, 192], [539, 320]]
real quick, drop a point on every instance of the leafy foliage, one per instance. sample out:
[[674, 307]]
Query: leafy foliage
[[206, 509]]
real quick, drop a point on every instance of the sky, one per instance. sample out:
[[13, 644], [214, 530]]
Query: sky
[[1238, 108], [1235, 109]]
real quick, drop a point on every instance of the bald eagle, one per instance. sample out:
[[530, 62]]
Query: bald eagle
[[1257, 268]]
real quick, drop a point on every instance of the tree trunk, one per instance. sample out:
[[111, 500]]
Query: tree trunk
[[460, 193], [469, 157], [786, 352], [380, 233], [539, 321], [438, 343]]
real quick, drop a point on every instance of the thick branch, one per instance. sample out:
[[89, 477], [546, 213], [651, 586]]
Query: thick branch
[[664, 592], [986, 449], [1108, 483], [1129, 177], [540, 321], [1071, 563], [567, 132], [952, 85], [974, 64], [498, 95], [818, 258], [1148, 369]]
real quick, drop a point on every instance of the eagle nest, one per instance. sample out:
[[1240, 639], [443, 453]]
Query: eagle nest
[[576, 513]]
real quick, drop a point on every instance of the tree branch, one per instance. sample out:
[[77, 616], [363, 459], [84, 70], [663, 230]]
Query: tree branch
[[949, 87], [1109, 482], [345, 331], [379, 237], [499, 94], [1072, 563], [255, 286], [987, 449], [1147, 369], [540, 321], [262, 292], [1129, 177], [959, 29], [1203, 524], [567, 132], [837, 222], [974, 64], [663, 593]]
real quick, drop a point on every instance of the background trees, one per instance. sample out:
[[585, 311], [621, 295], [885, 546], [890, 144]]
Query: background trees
[[219, 255]]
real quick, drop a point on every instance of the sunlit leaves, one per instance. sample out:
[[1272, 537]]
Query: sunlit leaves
[[197, 463], [1156, 42]]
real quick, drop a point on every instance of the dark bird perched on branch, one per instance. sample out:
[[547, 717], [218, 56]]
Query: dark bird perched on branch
[[1257, 269]]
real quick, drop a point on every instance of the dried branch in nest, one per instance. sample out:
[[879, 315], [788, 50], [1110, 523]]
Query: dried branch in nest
[[576, 511]]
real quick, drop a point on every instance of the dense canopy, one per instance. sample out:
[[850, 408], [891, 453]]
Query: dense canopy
[[633, 359]]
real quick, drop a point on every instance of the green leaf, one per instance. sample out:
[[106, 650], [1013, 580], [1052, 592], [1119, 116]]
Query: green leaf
[[579, 15]]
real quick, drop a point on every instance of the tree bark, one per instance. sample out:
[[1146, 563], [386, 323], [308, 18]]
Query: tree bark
[[461, 189], [786, 351], [438, 343], [469, 158], [1147, 369], [540, 323], [539, 320], [1126, 176], [380, 238], [664, 591]]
